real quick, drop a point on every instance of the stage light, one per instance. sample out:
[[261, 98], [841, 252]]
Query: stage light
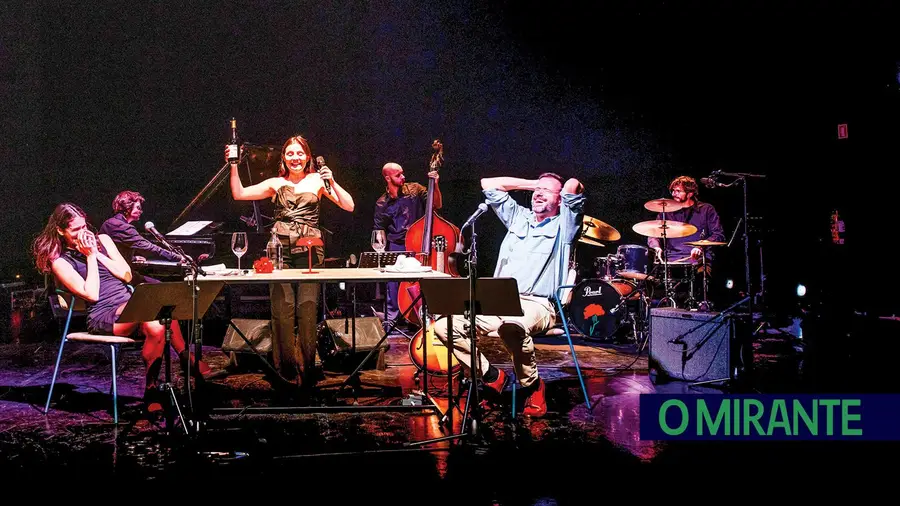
[[801, 290], [729, 284]]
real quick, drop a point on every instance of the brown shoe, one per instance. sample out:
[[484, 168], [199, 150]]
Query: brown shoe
[[536, 403]]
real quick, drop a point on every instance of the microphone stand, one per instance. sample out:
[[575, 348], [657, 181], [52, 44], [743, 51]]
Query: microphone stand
[[196, 326], [742, 178], [472, 403]]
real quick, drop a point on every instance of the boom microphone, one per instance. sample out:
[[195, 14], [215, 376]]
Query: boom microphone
[[150, 227], [710, 182], [320, 163], [482, 208]]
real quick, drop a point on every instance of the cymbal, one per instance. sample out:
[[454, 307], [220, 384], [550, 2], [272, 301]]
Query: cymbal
[[588, 240], [654, 228], [596, 229], [702, 243], [663, 205]]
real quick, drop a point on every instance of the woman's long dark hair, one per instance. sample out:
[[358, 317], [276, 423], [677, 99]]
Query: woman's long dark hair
[[48, 245], [297, 139]]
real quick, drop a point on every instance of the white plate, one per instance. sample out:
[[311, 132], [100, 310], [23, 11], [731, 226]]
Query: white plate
[[423, 268]]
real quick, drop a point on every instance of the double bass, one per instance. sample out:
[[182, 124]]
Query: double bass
[[429, 234]]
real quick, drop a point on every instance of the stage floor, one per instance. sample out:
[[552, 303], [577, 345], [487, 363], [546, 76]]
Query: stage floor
[[566, 455]]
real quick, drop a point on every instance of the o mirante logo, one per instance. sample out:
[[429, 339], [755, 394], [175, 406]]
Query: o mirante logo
[[774, 417]]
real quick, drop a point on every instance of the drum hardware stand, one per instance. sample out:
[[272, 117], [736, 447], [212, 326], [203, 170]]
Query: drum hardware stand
[[643, 301], [669, 297], [705, 306], [691, 302]]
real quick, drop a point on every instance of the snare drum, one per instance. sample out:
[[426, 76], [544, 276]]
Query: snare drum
[[635, 260]]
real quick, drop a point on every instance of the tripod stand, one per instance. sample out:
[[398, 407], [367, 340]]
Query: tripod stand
[[494, 297], [168, 303]]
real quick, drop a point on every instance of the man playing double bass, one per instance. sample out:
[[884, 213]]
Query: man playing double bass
[[396, 210]]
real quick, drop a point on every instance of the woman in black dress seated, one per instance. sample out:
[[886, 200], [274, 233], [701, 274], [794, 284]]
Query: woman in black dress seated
[[91, 267]]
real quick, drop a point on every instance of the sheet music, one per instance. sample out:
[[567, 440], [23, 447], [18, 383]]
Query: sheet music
[[190, 228]]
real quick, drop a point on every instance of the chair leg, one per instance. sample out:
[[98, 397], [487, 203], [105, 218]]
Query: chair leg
[[113, 347], [62, 343], [562, 314], [55, 372]]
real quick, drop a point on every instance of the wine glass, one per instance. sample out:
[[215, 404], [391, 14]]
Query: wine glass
[[239, 246], [379, 242]]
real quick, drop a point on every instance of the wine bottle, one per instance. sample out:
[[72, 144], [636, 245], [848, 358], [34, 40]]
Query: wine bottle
[[233, 149], [275, 252]]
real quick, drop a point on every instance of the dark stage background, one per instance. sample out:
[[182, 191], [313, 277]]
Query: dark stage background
[[110, 97]]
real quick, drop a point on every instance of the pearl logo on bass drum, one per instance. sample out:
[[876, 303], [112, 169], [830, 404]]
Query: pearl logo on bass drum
[[589, 292]]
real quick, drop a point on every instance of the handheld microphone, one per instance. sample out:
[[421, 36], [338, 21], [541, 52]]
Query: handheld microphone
[[482, 208], [320, 163]]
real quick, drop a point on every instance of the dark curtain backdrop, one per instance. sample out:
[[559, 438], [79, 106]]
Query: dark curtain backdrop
[[111, 96]]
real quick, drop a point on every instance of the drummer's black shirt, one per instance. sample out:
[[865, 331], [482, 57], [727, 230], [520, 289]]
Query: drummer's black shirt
[[701, 215]]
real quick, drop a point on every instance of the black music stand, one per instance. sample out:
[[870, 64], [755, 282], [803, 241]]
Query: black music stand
[[459, 296], [375, 260], [169, 302]]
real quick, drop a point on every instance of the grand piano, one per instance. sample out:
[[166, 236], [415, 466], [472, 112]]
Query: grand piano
[[211, 244]]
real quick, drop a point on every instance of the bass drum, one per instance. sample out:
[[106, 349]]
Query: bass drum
[[598, 307]]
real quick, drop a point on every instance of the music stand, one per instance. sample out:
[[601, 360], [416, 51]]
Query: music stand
[[456, 296], [167, 302], [376, 260]]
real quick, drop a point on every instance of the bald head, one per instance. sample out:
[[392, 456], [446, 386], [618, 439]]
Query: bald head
[[391, 169], [393, 177]]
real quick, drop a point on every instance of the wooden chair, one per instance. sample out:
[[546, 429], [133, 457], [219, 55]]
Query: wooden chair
[[65, 305]]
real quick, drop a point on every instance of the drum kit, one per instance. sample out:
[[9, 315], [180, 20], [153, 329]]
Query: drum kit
[[615, 298]]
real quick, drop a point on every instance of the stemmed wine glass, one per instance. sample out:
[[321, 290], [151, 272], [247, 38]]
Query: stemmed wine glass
[[378, 244], [239, 246]]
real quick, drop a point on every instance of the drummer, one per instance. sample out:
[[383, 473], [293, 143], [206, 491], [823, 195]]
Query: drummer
[[693, 212]]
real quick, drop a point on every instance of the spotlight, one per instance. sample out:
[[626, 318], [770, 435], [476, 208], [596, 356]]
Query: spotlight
[[801, 290], [729, 284]]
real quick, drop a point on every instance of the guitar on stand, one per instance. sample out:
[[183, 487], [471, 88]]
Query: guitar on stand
[[419, 346]]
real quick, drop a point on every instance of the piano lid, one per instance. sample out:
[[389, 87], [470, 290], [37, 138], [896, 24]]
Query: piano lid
[[214, 204]]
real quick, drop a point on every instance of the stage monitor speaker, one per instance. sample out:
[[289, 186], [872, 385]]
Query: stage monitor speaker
[[258, 332], [691, 346], [335, 341]]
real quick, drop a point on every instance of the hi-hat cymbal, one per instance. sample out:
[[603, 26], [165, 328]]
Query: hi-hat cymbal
[[703, 243], [663, 205], [596, 229], [588, 240], [655, 228]]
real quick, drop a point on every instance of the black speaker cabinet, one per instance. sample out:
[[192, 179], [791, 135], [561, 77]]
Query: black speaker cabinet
[[691, 346]]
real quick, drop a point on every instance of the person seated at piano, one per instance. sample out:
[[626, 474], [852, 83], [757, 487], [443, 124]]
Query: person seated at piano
[[297, 192], [702, 215], [396, 209], [91, 267], [128, 207]]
